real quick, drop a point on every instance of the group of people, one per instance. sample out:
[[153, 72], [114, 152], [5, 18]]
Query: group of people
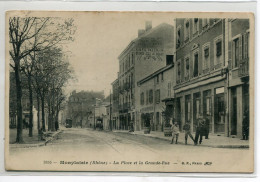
[[202, 129]]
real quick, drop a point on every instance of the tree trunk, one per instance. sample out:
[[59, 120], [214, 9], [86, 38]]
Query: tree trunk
[[31, 106], [52, 113], [19, 137], [43, 113], [38, 114]]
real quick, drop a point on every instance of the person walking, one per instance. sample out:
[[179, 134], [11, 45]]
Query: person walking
[[187, 128], [199, 130], [175, 132]]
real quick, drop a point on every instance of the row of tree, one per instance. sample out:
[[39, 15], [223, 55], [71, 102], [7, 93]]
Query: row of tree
[[36, 50]]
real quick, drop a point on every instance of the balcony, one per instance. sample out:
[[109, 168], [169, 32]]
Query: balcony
[[126, 106], [178, 81], [121, 90], [127, 86], [243, 69]]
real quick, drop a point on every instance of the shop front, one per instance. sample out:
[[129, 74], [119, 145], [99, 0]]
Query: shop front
[[208, 101]]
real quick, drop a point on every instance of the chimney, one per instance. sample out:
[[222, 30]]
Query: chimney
[[141, 32], [148, 25]]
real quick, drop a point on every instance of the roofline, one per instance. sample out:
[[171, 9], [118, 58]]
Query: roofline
[[140, 82], [114, 81], [145, 34]]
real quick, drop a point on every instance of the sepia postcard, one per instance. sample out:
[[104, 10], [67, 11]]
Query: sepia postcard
[[129, 91]]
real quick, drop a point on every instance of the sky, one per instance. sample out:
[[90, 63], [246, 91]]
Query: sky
[[99, 40]]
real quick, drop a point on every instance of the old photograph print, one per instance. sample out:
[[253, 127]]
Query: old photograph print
[[129, 91]]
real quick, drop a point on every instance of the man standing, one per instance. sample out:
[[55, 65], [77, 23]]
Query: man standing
[[199, 130], [186, 128]]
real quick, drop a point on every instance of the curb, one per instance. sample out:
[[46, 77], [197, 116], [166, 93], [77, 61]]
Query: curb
[[44, 143], [213, 146]]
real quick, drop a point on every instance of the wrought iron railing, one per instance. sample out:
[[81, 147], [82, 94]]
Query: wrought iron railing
[[243, 69]]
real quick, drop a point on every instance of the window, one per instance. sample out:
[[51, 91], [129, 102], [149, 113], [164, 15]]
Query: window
[[157, 78], [205, 56], [218, 55], [132, 58], [151, 96], [195, 25], [128, 61], [208, 106], [147, 97], [197, 102], [179, 70], [246, 44], [196, 65], [169, 59], [162, 76], [187, 68], [218, 48], [205, 22], [142, 98], [240, 49], [187, 30], [157, 96], [178, 42], [236, 52]]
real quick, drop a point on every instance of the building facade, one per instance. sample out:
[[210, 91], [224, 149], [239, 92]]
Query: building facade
[[143, 56], [238, 81], [212, 73], [153, 90], [115, 105], [80, 107]]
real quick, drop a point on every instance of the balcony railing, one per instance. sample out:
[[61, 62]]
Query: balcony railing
[[126, 105], [121, 90], [127, 86], [243, 69]]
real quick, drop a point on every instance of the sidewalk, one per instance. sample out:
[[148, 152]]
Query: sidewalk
[[213, 141], [31, 141]]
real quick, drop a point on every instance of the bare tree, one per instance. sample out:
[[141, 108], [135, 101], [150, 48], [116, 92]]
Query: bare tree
[[32, 34]]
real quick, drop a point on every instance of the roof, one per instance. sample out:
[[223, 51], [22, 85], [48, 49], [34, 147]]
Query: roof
[[154, 74], [114, 82], [144, 35]]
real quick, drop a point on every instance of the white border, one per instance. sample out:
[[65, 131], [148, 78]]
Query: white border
[[248, 6]]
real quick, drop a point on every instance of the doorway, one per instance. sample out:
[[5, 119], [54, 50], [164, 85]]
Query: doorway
[[233, 111]]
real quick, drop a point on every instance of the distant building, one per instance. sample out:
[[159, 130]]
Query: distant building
[[80, 107]]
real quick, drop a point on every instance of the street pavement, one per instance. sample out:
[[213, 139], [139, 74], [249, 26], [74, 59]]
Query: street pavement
[[215, 140], [121, 143], [104, 148]]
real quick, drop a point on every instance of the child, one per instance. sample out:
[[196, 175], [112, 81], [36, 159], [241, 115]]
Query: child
[[175, 132]]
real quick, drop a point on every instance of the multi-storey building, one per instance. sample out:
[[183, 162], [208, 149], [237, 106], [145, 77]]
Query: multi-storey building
[[238, 82], [153, 90], [206, 49], [201, 72], [115, 104], [140, 58]]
